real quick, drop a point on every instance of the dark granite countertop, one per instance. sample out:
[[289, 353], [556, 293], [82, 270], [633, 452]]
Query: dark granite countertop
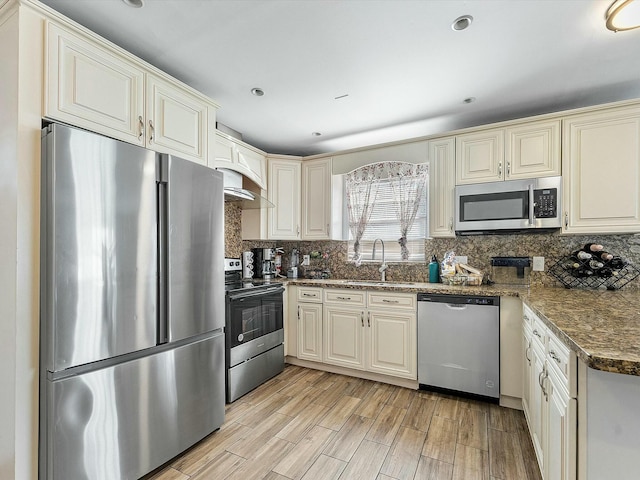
[[602, 327]]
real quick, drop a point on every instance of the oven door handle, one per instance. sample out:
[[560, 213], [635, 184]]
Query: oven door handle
[[261, 292]]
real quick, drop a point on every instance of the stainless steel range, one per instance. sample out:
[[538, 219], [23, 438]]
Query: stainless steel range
[[254, 330]]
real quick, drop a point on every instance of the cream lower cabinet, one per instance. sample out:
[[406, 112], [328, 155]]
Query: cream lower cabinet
[[549, 399], [371, 330], [601, 172], [309, 319]]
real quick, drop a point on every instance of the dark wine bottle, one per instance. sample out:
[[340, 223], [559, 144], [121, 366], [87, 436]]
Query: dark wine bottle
[[605, 272], [602, 255], [592, 247], [617, 263]]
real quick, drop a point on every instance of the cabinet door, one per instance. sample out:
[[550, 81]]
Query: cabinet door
[[284, 192], [392, 339], [176, 120], [343, 337], [253, 165], [310, 331], [316, 199], [601, 172], [532, 150], [527, 374], [225, 154], [442, 178], [92, 87], [479, 157], [560, 455], [538, 406]]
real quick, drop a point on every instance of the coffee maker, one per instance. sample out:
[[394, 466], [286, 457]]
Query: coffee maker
[[264, 263]]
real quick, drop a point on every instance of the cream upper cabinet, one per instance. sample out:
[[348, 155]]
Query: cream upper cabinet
[[316, 199], [527, 150], [92, 87], [480, 157], [442, 179], [601, 172], [283, 189], [532, 150], [176, 120], [234, 155]]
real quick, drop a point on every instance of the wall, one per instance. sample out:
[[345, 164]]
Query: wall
[[478, 248]]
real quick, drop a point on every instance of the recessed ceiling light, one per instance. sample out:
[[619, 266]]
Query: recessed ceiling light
[[623, 15], [258, 92], [134, 3], [316, 134], [469, 100], [462, 22]]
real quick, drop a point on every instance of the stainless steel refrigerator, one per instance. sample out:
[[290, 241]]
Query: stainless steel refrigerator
[[132, 306]]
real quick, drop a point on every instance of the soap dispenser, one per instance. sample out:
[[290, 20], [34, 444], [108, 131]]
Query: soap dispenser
[[434, 270]]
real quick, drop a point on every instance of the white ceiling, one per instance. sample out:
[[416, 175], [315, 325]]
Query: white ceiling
[[406, 72]]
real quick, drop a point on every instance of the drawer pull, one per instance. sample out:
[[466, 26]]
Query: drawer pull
[[535, 332], [309, 295], [343, 298], [553, 355], [526, 353], [141, 124], [384, 300], [362, 318]]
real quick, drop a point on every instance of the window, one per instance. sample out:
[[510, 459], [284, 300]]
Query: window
[[387, 200]]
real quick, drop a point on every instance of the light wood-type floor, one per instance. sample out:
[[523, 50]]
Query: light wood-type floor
[[312, 425]]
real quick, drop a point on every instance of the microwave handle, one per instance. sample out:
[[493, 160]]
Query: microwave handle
[[531, 205]]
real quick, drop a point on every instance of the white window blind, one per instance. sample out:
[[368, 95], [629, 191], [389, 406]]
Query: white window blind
[[395, 189]]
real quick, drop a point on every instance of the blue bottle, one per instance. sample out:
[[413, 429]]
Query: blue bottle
[[434, 270]]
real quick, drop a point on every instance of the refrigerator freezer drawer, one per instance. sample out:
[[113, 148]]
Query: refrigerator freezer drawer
[[124, 421]]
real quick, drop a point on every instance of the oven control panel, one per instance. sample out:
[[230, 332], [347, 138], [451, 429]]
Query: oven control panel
[[232, 264]]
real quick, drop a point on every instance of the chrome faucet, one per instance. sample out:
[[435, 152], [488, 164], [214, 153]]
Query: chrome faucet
[[383, 266]]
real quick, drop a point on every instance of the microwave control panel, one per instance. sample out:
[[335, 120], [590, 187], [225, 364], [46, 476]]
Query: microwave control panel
[[545, 203]]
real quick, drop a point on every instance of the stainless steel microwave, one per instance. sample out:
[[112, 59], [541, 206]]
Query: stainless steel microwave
[[514, 205]]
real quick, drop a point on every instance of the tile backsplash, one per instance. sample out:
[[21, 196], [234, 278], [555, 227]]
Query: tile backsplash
[[478, 248]]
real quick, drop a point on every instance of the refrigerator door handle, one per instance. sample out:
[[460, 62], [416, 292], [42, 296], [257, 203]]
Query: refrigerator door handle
[[162, 264]]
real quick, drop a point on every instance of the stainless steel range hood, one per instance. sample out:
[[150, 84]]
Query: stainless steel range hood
[[233, 192]]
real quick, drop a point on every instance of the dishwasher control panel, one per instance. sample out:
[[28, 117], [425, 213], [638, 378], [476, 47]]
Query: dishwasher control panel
[[459, 299]]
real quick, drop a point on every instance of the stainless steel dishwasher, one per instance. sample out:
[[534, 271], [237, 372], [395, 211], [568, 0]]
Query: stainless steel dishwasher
[[459, 344]]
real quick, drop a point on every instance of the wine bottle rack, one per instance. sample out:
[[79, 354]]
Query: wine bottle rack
[[565, 273]]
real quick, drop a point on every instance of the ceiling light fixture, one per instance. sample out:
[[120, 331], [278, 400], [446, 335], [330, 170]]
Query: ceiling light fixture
[[134, 3], [623, 15], [258, 92], [462, 23]]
